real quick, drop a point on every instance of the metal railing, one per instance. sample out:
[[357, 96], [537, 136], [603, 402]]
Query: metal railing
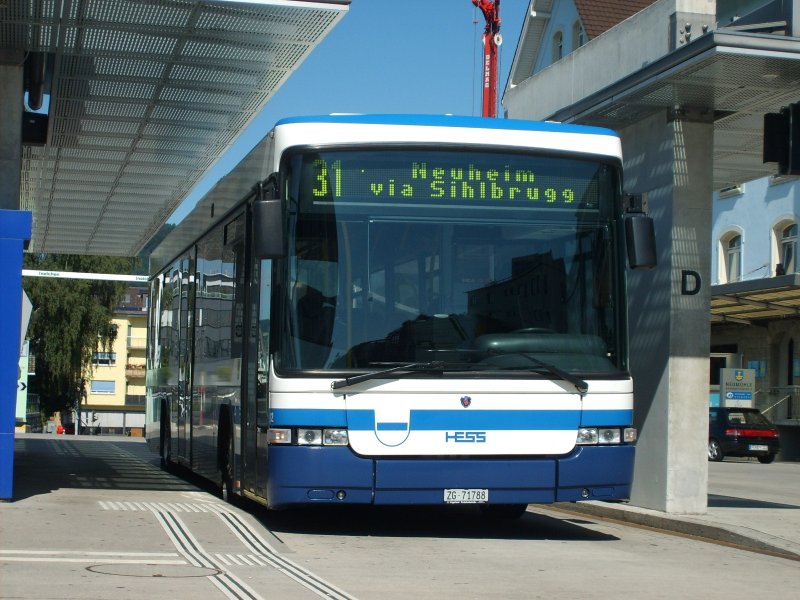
[[135, 399], [780, 404], [137, 342], [135, 371]]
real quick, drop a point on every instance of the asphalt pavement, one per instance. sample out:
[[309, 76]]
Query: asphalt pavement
[[68, 491]]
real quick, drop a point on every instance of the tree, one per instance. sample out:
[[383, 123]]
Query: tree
[[71, 320]]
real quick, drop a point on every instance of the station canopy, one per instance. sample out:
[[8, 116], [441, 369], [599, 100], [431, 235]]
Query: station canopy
[[728, 77], [142, 98], [758, 300]]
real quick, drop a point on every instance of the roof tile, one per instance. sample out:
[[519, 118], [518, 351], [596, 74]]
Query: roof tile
[[598, 16]]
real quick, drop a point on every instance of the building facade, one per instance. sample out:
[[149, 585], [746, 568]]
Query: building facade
[[755, 308], [114, 399]]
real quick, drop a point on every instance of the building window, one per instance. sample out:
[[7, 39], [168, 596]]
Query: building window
[[733, 258], [558, 46], [578, 35], [789, 248], [99, 386], [106, 359], [731, 191]]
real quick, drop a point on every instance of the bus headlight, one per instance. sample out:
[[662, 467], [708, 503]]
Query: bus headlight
[[609, 436], [335, 437], [588, 436], [279, 436], [322, 437], [309, 437]]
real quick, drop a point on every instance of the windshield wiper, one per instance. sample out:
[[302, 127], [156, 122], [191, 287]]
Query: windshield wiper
[[579, 384], [434, 365]]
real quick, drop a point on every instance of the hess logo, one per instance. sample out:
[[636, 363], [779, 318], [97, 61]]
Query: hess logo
[[465, 437]]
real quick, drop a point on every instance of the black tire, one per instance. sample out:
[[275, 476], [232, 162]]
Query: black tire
[[165, 439], [224, 455], [766, 459], [503, 511], [715, 453]]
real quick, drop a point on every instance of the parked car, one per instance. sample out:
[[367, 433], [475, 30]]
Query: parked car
[[741, 432]]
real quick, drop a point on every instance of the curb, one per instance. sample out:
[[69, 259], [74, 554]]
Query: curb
[[681, 525]]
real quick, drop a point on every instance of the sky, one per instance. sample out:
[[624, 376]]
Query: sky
[[385, 56]]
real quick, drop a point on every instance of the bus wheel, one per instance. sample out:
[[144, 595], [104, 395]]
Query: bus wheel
[[224, 455], [165, 440], [503, 511], [226, 488]]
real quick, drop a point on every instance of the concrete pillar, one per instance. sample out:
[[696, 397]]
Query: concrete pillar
[[669, 159], [11, 106]]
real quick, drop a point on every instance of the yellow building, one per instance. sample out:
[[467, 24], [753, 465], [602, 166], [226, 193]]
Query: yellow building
[[114, 398]]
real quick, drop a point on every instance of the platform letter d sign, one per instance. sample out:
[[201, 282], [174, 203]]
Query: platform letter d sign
[[690, 283]]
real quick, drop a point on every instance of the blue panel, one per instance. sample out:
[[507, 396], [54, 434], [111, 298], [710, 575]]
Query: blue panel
[[449, 121], [318, 466], [306, 474], [499, 420], [6, 464], [321, 417], [15, 226], [477, 473], [438, 420], [302, 474], [606, 472], [596, 466], [608, 493], [602, 418], [392, 426]]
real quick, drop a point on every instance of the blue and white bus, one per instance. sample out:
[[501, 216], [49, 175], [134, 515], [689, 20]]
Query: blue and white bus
[[402, 310]]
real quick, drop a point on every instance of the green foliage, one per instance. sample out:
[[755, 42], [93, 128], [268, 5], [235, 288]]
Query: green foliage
[[71, 320]]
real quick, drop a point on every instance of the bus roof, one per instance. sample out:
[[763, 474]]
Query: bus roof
[[449, 121]]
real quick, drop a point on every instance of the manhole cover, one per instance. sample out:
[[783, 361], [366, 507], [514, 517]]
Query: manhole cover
[[153, 570]]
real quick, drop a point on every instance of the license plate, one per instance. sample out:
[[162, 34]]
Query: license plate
[[758, 447], [466, 496]]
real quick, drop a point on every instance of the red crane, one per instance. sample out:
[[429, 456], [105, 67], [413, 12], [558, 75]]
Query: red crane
[[491, 40]]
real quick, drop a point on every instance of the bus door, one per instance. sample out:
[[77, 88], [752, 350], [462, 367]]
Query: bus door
[[256, 417], [181, 445]]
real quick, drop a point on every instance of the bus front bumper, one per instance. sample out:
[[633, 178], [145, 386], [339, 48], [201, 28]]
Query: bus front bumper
[[307, 474]]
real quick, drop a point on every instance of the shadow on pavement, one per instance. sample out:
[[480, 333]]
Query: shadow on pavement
[[43, 463], [465, 522]]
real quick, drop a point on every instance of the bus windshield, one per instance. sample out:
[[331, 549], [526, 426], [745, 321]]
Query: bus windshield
[[474, 260]]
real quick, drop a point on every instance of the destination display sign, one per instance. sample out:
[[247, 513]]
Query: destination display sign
[[452, 178]]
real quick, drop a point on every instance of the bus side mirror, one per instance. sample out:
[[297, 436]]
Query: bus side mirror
[[641, 238], [268, 218]]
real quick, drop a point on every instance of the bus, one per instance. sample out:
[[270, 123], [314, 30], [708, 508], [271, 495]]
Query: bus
[[389, 310]]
